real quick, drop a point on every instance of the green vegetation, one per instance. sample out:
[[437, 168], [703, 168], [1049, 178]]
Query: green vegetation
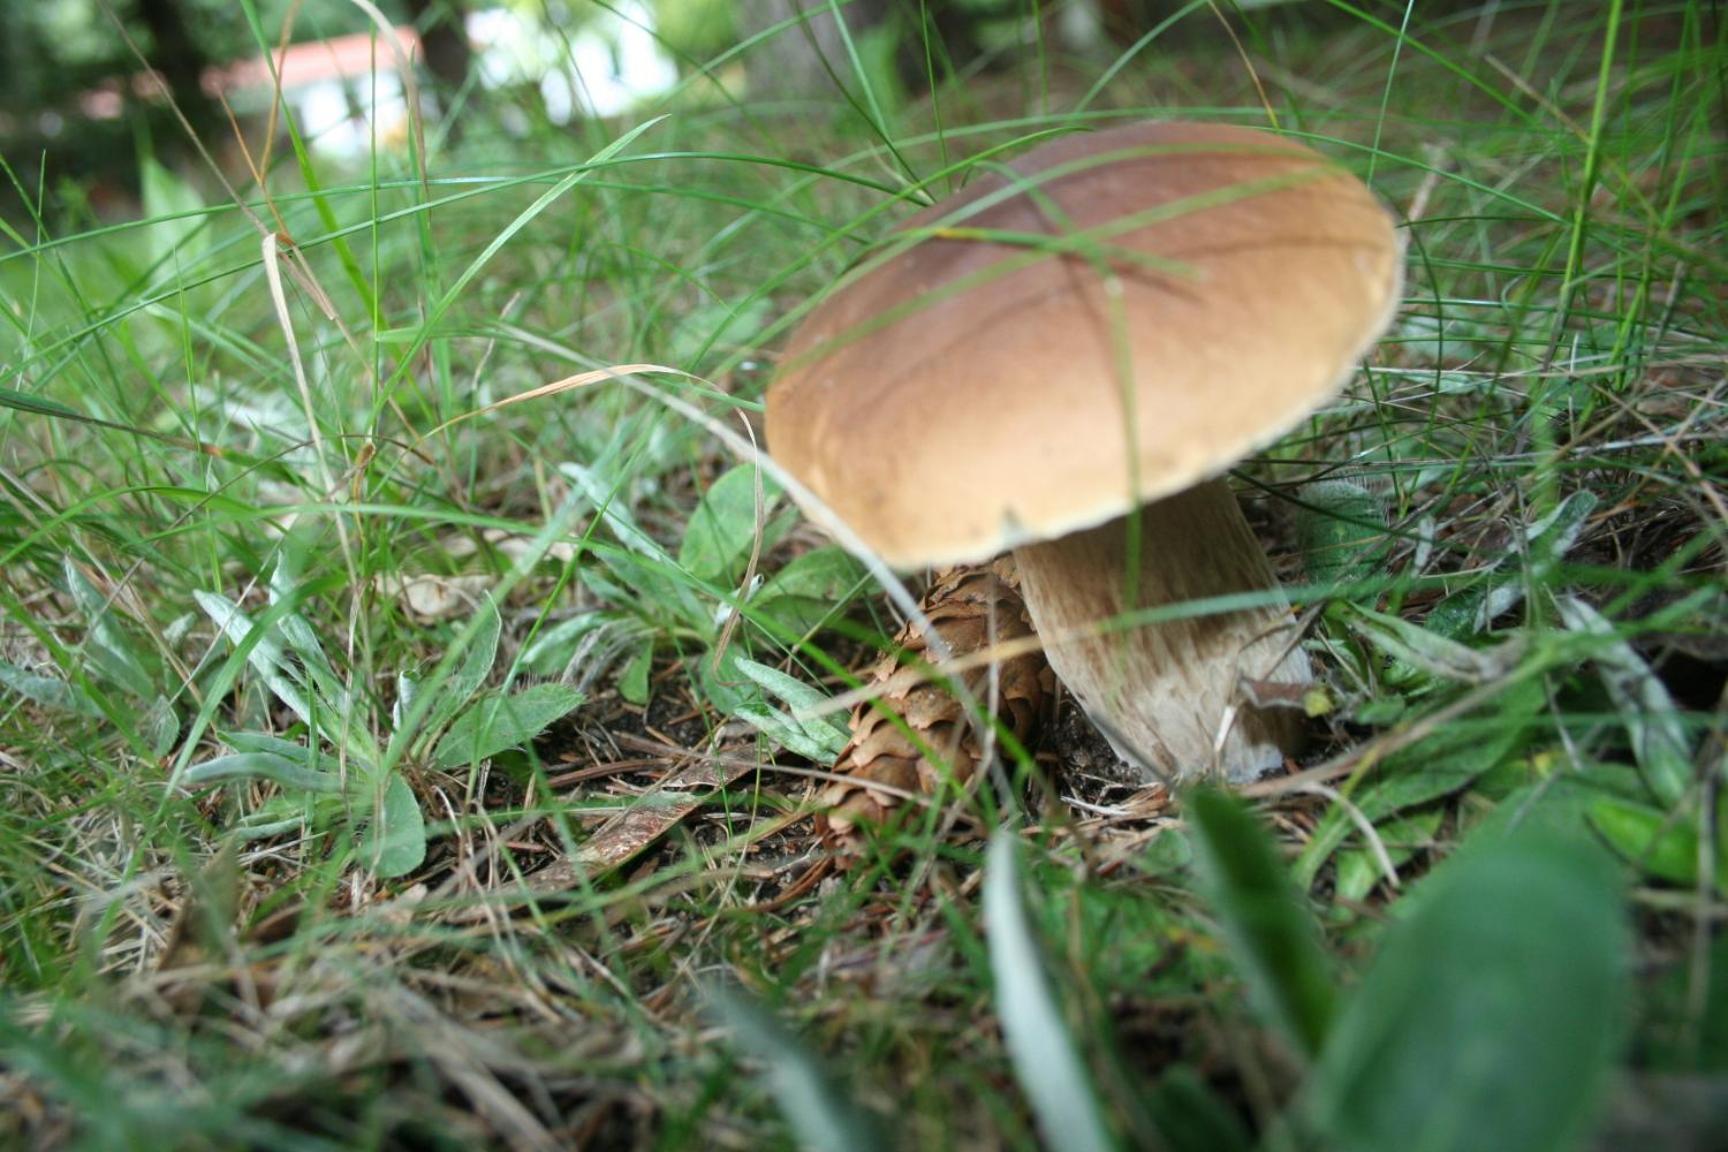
[[410, 717]]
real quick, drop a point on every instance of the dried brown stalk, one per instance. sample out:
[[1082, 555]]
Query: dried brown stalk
[[913, 734]]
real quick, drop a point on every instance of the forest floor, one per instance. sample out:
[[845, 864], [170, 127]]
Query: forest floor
[[390, 759]]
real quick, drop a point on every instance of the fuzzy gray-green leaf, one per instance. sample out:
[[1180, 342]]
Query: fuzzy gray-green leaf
[[496, 723], [1489, 1020]]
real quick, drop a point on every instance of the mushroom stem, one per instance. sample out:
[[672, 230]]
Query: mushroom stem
[[1163, 692]]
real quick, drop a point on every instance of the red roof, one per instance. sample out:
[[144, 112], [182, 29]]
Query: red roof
[[300, 64]]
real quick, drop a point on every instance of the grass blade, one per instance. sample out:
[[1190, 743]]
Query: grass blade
[[820, 1114], [1272, 937], [1046, 1061]]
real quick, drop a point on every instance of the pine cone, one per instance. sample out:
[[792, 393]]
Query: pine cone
[[973, 608]]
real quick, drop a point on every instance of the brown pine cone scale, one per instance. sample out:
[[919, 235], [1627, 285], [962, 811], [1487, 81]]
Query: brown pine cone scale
[[914, 735]]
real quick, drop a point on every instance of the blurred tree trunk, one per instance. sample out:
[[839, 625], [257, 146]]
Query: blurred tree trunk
[[797, 59], [443, 26], [180, 59]]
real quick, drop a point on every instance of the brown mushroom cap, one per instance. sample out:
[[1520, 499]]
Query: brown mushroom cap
[[965, 393]]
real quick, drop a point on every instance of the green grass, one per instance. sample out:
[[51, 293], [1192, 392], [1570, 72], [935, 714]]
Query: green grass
[[347, 874]]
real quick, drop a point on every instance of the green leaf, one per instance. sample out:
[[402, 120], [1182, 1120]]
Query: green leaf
[[297, 673], [36, 406], [718, 326], [633, 681], [1660, 742], [477, 661], [267, 656], [604, 492], [173, 215], [1546, 543], [288, 772], [47, 691], [1271, 933], [656, 589], [160, 725], [810, 590], [1341, 528], [1046, 1060], [818, 738], [827, 574], [1360, 869], [722, 530], [554, 650], [394, 843], [1490, 1019], [1190, 1117], [1428, 652], [1432, 768], [111, 651], [496, 723], [316, 671], [1660, 844], [821, 1116]]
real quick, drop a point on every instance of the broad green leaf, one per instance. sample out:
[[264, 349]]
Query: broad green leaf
[[160, 725], [294, 813], [316, 671], [787, 689], [1273, 939], [112, 652], [826, 574], [477, 662], [814, 743], [1360, 869], [603, 493], [720, 326], [303, 681], [818, 738], [286, 771], [267, 657], [1545, 544], [267, 742], [723, 685], [47, 691], [553, 649], [173, 215], [1341, 527], [1426, 651], [394, 843], [1660, 742], [722, 530], [633, 681], [823, 1119], [1557, 802], [496, 723], [1660, 844], [1432, 768], [1491, 1016], [1190, 1117], [808, 591], [659, 590], [1046, 1059]]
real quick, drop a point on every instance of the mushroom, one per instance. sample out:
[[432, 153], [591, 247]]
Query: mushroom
[[1062, 360]]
